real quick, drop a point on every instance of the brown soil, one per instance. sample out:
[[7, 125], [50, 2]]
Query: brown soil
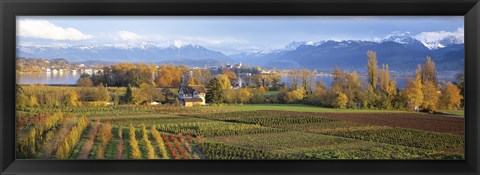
[[119, 149], [420, 121], [87, 147]]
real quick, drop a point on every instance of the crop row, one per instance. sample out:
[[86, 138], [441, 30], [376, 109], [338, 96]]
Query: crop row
[[140, 120], [123, 109], [34, 130], [67, 145], [212, 129], [256, 114], [286, 142], [213, 150], [406, 137], [382, 152], [280, 121]]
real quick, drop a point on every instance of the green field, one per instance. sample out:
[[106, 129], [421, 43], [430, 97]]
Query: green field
[[454, 112], [253, 131]]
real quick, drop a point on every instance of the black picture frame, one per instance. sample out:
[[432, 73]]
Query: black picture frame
[[11, 8]]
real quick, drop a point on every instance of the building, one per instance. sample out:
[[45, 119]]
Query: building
[[191, 95]]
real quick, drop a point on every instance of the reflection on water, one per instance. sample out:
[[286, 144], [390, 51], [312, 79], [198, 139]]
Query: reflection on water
[[48, 78]]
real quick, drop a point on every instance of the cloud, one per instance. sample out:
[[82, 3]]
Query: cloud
[[44, 29], [429, 37], [128, 36]]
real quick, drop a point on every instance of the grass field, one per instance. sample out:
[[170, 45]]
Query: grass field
[[454, 112], [251, 131]]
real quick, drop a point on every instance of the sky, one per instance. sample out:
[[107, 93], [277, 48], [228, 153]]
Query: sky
[[227, 34]]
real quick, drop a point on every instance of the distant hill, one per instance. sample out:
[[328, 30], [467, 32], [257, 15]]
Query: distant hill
[[146, 53], [401, 51]]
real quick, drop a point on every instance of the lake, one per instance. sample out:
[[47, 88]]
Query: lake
[[48, 78]]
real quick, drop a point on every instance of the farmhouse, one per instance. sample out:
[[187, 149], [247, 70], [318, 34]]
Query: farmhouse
[[191, 95]]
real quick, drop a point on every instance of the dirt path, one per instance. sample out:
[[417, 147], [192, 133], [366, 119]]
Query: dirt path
[[199, 153], [120, 149], [87, 147]]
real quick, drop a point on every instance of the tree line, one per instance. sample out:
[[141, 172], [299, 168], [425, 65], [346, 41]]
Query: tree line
[[142, 82], [423, 92]]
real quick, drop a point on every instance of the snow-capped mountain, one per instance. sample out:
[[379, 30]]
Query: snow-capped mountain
[[400, 50], [441, 39], [439, 43], [400, 37], [145, 52]]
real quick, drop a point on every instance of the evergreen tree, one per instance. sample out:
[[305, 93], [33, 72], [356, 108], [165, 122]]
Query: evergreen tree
[[214, 92], [128, 97]]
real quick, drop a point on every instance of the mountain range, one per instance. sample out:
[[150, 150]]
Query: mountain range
[[402, 51]]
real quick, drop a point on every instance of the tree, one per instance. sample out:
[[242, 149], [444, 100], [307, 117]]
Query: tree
[[293, 76], [230, 96], [276, 79], [294, 96], [320, 89], [84, 82], [429, 73], [341, 101], [102, 93], [431, 96], [354, 87], [414, 91], [148, 92], [231, 75], [71, 99], [224, 81], [429, 81], [461, 86], [451, 96], [261, 90], [241, 95], [193, 81], [128, 97], [392, 89], [244, 95], [387, 87], [201, 76], [372, 69], [384, 78], [308, 80], [320, 94], [215, 91], [169, 75], [166, 92], [258, 95], [339, 80]]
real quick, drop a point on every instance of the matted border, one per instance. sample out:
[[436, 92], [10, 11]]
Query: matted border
[[9, 9]]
